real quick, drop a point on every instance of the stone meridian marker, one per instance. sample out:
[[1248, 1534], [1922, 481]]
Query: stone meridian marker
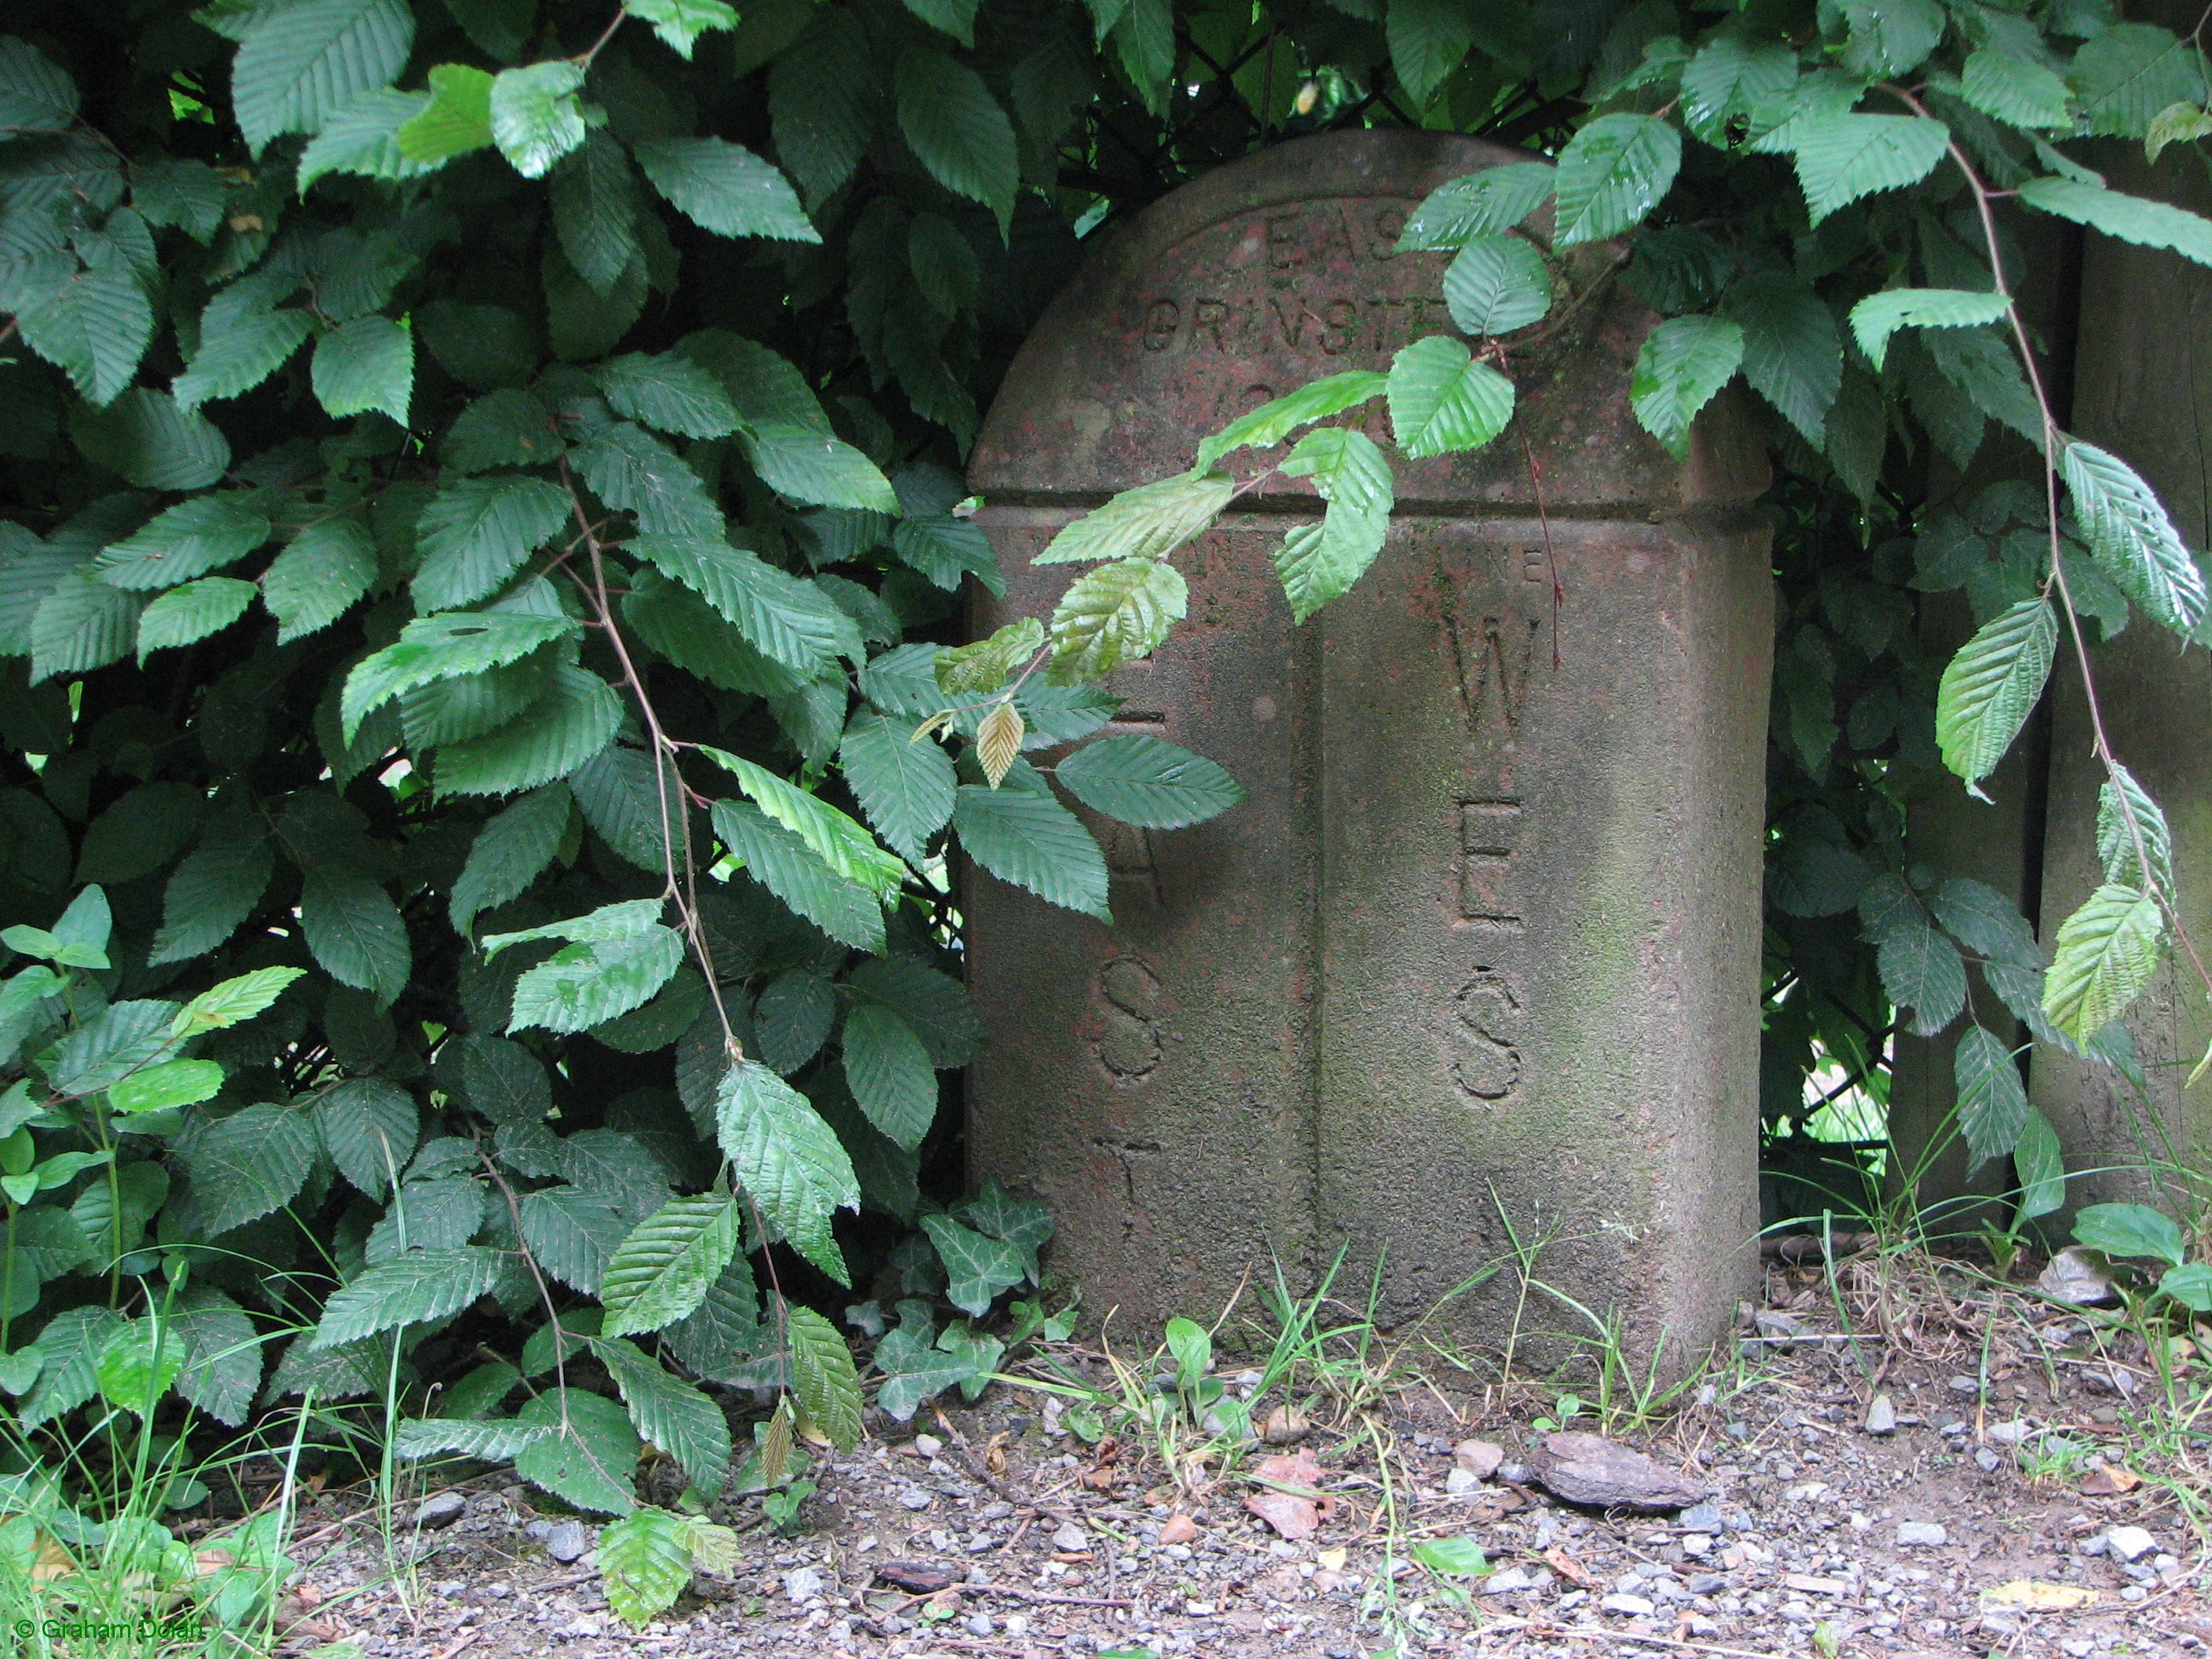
[[1482, 946]]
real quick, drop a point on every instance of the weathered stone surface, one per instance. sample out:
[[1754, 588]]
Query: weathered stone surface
[[1588, 1468], [2143, 388], [1483, 943]]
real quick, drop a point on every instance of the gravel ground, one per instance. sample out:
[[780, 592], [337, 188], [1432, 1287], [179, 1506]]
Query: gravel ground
[[1822, 1534]]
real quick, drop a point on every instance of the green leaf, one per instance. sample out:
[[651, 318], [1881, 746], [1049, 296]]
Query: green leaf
[[2190, 1285], [71, 1342], [80, 626], [977, 1267], [595, 202], [1684, 362], [2015, 90], [2127, 218], [1841, 158], [1318, 562], [36, 94], [1479, 204], [588, 984], [943, 263], [439, 647], [1030, 839], [1990, 689], [813, 467], [1441, 402], [2132, 539], [2129, 1230], [662, 1272], [781, 616], [2128, 72], [590, 1458], [645, 1559], [823, 1377], [2176, 124], [356, 932], [187, 614], [1731, 73], [793, 1018], [222, 1353], [363, 139], [412, 1288], [187, 540], [319, 577], [94, 328], [788, 1159], [680, 23], [370, 1127], [1920, 969], [417, 1438], [1793, 355], [211, 892], [456, 120], [1884, 37], [174, 1083], [1496, 284], [1611, 175], [670, 1413], [298, 64], [174, 190], [365, 365], [791, 869], [1146, 780], [1148, 522], [725, 188], [1992, 1102], [1428, 39], [2106, 952], [890, 1074], [1112, 615], [239, 349], [1878, 316], [148, 439], [137, 1364], [535, 119], [669, 392], [509, 853], [2116, 841], [834, 837], [956, 128], [823, 100], [476, 533], [904, 786], [1261, 428]]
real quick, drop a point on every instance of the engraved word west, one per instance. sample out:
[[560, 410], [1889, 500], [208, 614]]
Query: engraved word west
[[1493, 649]]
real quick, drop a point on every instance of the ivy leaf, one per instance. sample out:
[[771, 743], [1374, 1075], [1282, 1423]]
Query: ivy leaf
[[1441, 402], [679, 23], [1611, 175], [184, 615], [1793, 355], [977, 1267], [1496, 284], [94, 328], [2116, 842], [789, 1160], [535, 119], [1990, 689], [904, 786], [957, 131], [1992, 1103], [725, 188], [456, 118], [2106, 952], [1684, 363], [890, 1074], [823, 1377], [1479, 204], [1028, 838], [2127, 218], [1878, 316], [1261, 428], [1147, 780], [1112, 615], [1841, 158], [319, 578], [2015, 91], [364, 366], [1148, 522], [356, 932], [412, 1288], [1428, 39], [2133, 540], [477, 532], [299, 63]]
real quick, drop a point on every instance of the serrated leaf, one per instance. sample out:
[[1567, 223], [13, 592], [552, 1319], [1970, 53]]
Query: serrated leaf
[[999, 741], [725, 188], [356, 932], [977, 1267], [956, 128], [1030, 839], [535, 119], [2128, 72], [1148, 522], [1990, 689], [782, 617], [2176, 124], [365, 365], [1146, 780], [417, 1438], [1111, 614], [1479, 204], [363, 139], [933, 1005], [1441, 402], [814, 467], [173, 1083], [221, 1350], [185, 615], [788, 1159], [1877, 317], [1496, 284], [1611, 175], [1992, 1101], [148, 439], [1730, 74], [670, 1413], [890, 1074], [239, 350], [2015, 90], [679, 23], [589, 983], [36, 94], [1793, 355], [590, 1458], [1260, 428], [791, 869], [2105, 953], [2131, 537], [137, 1364], [823, 1377], [438, 647], [509, 853], [1428, 39], [94, 328], [661, 1272], [455, 120], [1841, 158], [1921, 969], [477, 532], [187, 540], [2127, 218], [319, 577], [904, 787], [669, 392], [71, 1343], [299, 63], [645, 1562], [2117, 839], [632, 472], [841, 844], [370, 1127], [823, 98], [1683, 364], [793, 1018], [413, 1288], [209, 893]]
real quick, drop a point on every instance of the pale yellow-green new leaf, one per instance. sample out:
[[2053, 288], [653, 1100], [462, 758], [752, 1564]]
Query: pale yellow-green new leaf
[[1148, 522], [2107, 951], [1114, 614], [1990, 687]]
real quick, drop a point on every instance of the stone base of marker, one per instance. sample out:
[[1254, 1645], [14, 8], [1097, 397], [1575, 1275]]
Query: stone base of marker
[[1478, 958]]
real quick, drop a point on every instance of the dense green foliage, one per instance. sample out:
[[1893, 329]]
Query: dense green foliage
[[484, 517]]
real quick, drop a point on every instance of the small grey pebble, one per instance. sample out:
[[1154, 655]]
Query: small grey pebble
[[1921, 1534], [914, 1497], [979, 1624], [1070, 1538], [440, 1510], [1987, 1459], [568, 1541], [1700, 1517]]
